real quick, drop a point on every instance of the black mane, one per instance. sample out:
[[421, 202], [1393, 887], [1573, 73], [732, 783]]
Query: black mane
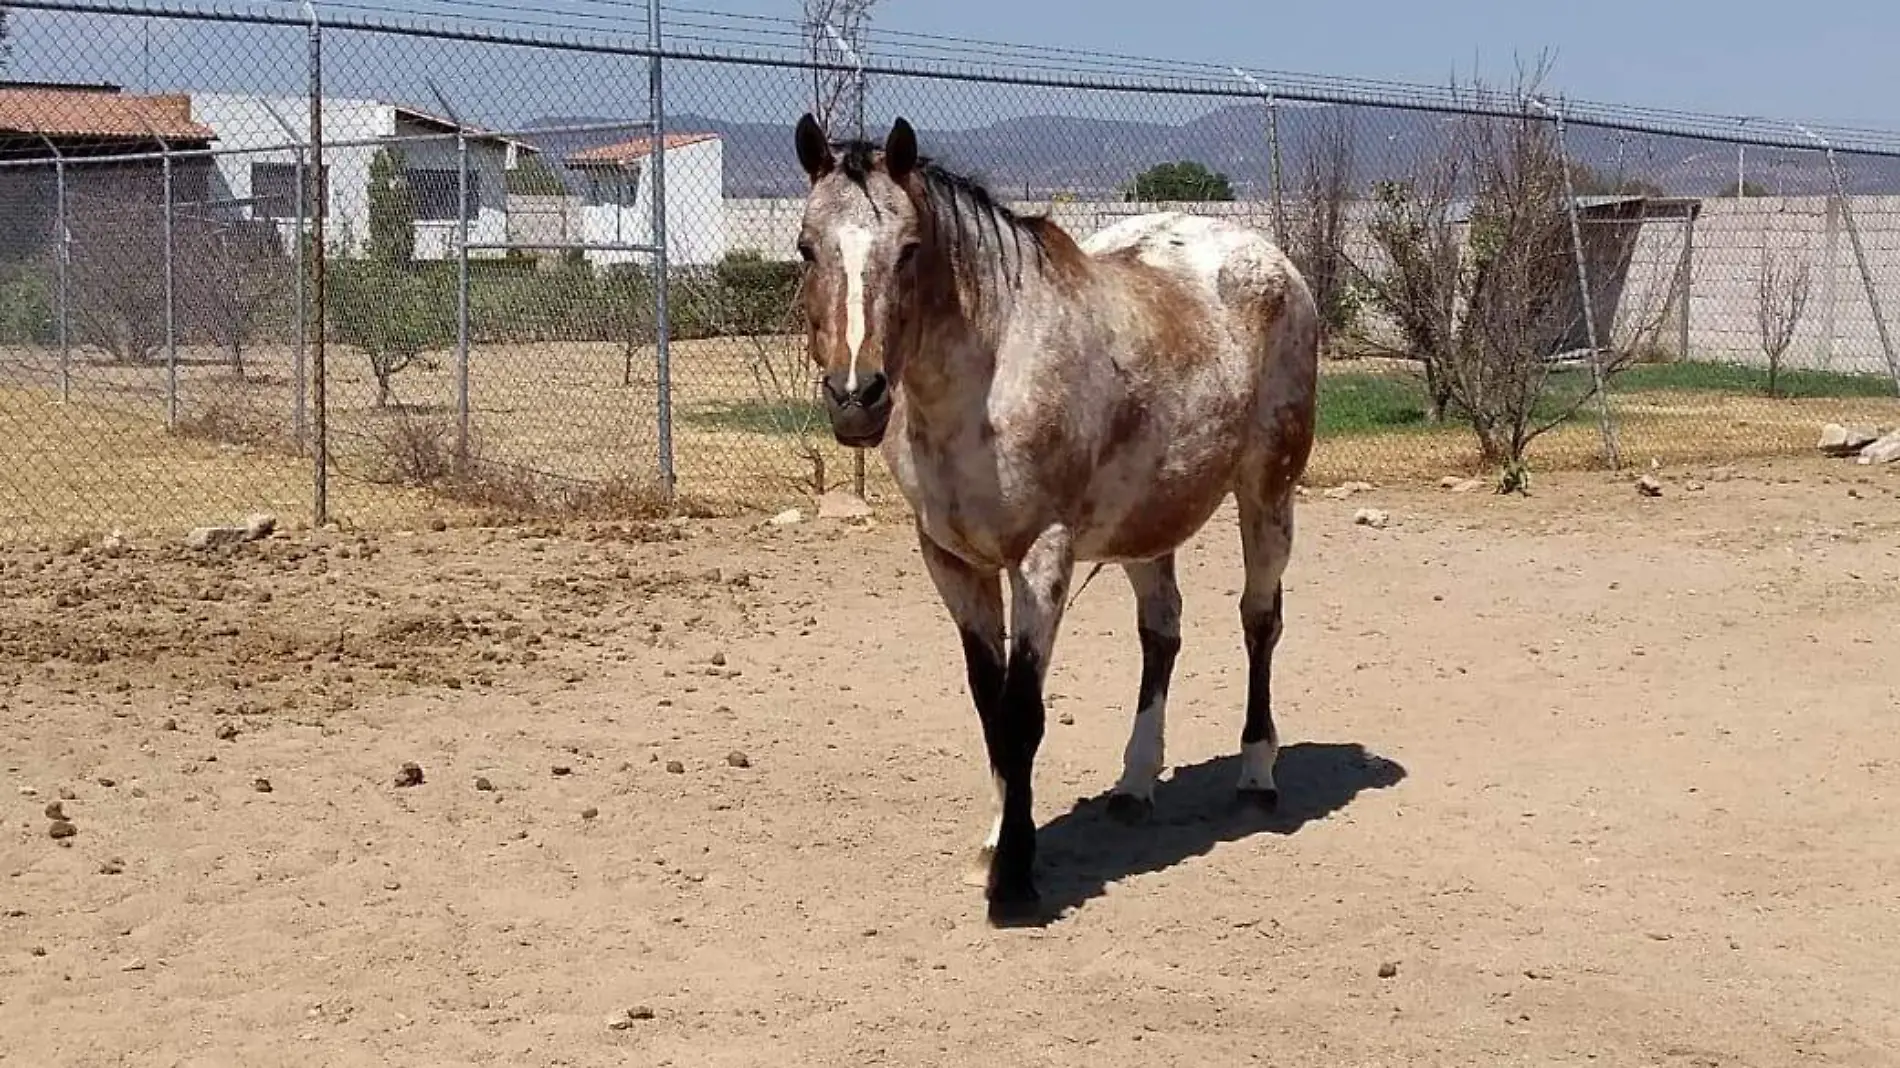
[[964, 208]]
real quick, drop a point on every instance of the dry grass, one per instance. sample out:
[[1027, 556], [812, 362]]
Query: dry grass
[[554, 427]]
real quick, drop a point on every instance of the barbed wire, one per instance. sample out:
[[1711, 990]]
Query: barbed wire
[[718, 41]]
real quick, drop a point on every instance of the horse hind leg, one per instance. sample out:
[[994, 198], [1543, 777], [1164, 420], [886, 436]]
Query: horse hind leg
[[1266, 531], [1158, 621]]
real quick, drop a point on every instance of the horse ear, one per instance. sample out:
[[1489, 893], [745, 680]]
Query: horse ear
[[900, 149], [814, 151]]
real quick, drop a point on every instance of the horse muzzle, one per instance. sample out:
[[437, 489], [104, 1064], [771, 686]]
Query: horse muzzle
[[859, 416]]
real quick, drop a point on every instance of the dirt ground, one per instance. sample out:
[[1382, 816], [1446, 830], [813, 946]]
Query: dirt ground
[[1581, 779]]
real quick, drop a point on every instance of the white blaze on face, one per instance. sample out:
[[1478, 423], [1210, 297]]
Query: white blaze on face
[[854, 249]]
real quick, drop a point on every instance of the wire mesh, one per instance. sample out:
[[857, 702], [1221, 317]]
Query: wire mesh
[[489, 330]]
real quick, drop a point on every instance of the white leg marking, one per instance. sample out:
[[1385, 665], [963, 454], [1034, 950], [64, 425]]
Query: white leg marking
[[978, 873], [1256, 765], [1145, 755], [854, 248]]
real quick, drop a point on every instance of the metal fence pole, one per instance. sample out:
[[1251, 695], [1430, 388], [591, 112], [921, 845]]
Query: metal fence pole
[[297, 428], [62, 258], [1598, 381], [171, 322], [320, 414], [298, 369], [1860, 257], [662, 274], [1830, 282], [461, 275]]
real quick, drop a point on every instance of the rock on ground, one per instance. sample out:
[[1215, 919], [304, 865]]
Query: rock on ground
[[1884, 451], [1839, 440], [1371, 517], [843, 504], [1648, 486]]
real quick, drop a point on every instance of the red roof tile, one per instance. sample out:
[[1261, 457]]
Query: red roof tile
[[69, 113], [636, 149]]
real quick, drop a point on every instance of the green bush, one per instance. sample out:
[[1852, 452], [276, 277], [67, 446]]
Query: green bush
[[27, 314]]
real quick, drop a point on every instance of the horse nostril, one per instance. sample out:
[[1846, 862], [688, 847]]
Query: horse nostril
[[835, 388], [871, 393]]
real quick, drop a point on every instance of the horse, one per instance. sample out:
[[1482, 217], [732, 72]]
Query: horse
[[1043, 402]]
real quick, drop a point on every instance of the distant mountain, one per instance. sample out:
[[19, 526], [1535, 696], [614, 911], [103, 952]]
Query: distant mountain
[[1034, 157]]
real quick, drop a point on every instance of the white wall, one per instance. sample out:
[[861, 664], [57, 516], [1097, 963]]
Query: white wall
[[696, 216], [1836, 333], [247, 134]]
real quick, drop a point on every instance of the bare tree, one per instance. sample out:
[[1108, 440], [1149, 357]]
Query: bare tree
[[1781, 301], [833, 30], [1485, 316], [116, 274], [1316, 242], [236, 278]]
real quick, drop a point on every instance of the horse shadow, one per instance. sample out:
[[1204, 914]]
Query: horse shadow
[[1085, 851]]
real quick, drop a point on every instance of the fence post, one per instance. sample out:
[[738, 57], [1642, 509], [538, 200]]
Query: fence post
[[461, 276], [662, 273], [1860, 256], [1830, 285], [320, 410], [62, 256], [171, 323], [1598, 381], [1688, 278], [298, 371]]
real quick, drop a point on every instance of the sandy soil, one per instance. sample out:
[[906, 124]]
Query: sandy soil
[[1593, 779]]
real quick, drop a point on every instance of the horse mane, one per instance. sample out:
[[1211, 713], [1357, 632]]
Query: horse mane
[[989, 245]]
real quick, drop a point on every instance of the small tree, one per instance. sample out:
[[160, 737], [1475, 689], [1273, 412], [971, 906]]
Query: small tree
[[1781, 299], [1183, 180], [392, 209], [1486, 315], [383, 305], [236, 279], [1315, 242], [116, 276]]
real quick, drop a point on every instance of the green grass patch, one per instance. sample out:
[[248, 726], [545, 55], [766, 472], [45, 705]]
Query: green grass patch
[[1737, 378], [755, 416], [1357, 403]]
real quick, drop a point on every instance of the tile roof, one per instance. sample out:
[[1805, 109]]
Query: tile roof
[[637, 149], [74, 113]]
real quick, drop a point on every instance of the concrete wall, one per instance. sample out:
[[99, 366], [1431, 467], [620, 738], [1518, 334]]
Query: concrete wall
[[617, 206], [1837, 331]]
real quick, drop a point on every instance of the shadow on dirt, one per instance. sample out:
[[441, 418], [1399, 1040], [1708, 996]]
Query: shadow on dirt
[[1082, 852]]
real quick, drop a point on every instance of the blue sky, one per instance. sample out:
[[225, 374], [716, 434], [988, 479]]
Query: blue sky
[[1831, 61], [1833, 65]]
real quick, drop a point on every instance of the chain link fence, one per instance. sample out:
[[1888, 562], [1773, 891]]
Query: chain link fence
[[341, 265]]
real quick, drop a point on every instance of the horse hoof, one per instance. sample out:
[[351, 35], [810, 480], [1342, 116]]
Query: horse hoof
[[1022, 908], [1265, 800], [978, 872], [1128, 809]]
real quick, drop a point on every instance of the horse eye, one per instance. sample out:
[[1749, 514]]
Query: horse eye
[[906, 254], [805, 252]]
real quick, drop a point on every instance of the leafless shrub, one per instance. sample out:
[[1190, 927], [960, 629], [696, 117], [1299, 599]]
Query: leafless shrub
[[1781, 300], [1315, 241], [116, 275], [229, 421], [413, 449], [235, 280], [1484, 314]]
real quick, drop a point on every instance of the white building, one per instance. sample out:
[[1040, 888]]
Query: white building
[[256, 166], [615, 186]]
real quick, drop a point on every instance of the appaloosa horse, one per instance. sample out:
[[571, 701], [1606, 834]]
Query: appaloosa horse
[[1042, 402]]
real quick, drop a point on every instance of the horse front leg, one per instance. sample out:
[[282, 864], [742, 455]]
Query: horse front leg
[[974, 598], [1013, 731]]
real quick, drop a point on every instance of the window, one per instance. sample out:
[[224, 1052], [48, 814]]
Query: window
[[436, 195], [274, 190], [616, 188]]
